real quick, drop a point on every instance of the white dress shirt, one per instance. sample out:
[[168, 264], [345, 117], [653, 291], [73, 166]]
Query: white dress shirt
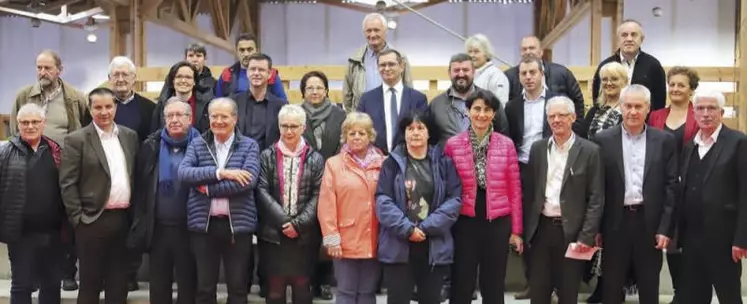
[[634, 162], [387, 103], [534, 123], [629, 65], [119, 194], [705, 144], [219, 205], [557, 157]]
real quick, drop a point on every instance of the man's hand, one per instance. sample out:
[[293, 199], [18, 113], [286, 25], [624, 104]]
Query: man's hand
[[202, 189], [598, 240], [738, 253], [242, 177], [290, 231], [581, 247], [417, 235], [662, 242]]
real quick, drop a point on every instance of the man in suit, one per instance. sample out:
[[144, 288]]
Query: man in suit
[[258, 107], [556, 77], [640, 165], [96, 180], [390, 101], [713, 220], [527, 123], [567, 197], [642, 68]]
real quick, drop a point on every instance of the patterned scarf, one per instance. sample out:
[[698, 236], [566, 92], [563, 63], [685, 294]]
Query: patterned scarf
[[480, 154], [371, 155], [605, 117]]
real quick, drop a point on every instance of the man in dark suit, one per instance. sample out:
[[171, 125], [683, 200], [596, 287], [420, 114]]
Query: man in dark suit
[[643, 68], [713, 220], [96, 180], [258, 108], [556, 77], [640, 165], [567, 197], [390, 101]]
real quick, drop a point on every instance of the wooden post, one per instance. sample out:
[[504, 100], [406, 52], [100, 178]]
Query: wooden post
[[118, 29], [617, 18], [137, 36], [741, 64], [596, 33]]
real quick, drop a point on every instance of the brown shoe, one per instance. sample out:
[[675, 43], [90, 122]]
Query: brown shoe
[[524, 295]]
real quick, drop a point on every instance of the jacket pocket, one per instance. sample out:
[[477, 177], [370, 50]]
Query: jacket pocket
[[347, 223]]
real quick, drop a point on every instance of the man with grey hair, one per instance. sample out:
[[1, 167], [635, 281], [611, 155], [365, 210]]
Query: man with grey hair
[[363, 73], [133, 110], [31, 210], [160, 203], [640, 192], [221, 168], [566, 169], [643, 68], [65, 106], [713, 225]]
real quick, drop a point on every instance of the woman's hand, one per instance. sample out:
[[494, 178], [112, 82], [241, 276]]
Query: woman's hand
[[290, 231], [517, 243], [335, 252]]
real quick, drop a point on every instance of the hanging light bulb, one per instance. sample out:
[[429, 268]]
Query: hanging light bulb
[[91, 37]]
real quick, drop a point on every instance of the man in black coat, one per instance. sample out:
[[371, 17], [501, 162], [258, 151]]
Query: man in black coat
[[640, 165], [713, 216], [196, 54], [642, 68]]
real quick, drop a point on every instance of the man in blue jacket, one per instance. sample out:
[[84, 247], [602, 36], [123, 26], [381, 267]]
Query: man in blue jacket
[[221, 167], [234, 79]]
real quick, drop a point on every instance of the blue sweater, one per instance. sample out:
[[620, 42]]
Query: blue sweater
[[128, 114], [198, 168], [394, 226]]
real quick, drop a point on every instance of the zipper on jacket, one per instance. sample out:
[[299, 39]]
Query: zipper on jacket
[[210, 210]]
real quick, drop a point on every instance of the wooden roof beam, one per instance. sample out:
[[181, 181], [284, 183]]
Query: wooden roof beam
[[189, 29], [570, 20], [350, 6]]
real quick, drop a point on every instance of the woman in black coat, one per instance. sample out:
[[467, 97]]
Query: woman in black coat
[[287, 193], [181, 83]]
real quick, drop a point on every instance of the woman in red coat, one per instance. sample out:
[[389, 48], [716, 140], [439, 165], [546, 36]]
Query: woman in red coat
[[678, 119]]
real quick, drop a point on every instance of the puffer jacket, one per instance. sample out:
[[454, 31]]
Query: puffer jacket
[[13, 187], [198, 169], [269, 195], [503, 185], [391, 201]]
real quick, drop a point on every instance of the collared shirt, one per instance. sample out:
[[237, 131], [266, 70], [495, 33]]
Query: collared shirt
[[119, 194], [219, 205], [387, 109], [459, 107], [634, 161], [705, 144], [629, 65], [534, 121], [557, 157], [127, 100], [370, 63]]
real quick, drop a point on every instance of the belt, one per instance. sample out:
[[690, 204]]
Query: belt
[[633, 208], [556, 220]]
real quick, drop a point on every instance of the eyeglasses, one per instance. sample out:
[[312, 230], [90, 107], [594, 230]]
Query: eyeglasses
[[27, 123], [292, 128], [387, 64], [315, 89]]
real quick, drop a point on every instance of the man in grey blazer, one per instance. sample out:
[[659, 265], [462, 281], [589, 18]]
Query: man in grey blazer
[[565, 205], [96, 180]]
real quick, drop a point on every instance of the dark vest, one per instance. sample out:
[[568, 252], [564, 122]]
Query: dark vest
[[694, 189]]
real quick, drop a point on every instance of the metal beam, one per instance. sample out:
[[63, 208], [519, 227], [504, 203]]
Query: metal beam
[[419, 6], [355, 7], [64, 19]]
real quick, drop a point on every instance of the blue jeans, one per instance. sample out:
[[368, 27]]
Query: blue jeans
[[36, 258], [357, 280]]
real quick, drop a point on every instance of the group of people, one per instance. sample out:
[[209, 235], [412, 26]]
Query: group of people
[[389, 190]]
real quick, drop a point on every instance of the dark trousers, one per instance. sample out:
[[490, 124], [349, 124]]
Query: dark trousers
[[483, 244], [322, 273], [550, 268], [300, 289], [256, 264], [674, 262], [356, 280], [135, 260], [102, 254], [171, 254], [70, 261], [631, 247], [707, 265], [36, 258], [526, 205], [234, 250], [401, 278]]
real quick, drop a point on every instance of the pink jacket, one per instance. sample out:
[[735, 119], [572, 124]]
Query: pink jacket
[[503, 186]]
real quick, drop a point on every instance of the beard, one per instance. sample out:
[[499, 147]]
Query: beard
[[461, 88], [44, 82]]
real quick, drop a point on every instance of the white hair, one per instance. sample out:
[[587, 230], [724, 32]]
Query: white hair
[[636, 89], [563, 100], [31, 109], [718, 96], [121, 61], [372, 16], [176, 100], [292, 111], [224, 101], [481, 42]]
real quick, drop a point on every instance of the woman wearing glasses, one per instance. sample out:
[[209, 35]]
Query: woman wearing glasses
[[287, 192]]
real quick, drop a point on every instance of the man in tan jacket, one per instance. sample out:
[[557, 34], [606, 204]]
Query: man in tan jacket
[[65, 105], [363, 74]]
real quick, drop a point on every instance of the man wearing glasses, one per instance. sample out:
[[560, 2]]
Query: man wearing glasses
[[391, 100]]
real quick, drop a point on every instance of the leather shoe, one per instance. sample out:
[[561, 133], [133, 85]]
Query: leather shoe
[[132, 286], [523, 295], [69, 285], [323, 292]]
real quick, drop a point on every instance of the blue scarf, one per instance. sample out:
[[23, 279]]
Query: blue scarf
[[165, 174]]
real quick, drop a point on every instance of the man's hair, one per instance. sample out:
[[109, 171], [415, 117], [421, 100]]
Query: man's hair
[[55, 57], [461, 57], [261, 57], [195, 48], [245, 37], [533, 59], [102, 91], [387, 52]]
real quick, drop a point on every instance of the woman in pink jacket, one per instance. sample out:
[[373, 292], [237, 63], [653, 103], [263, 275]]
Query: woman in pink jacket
[[491, 217]]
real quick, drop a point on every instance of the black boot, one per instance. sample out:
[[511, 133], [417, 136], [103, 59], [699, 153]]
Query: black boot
[[596, 296], [69, 285]]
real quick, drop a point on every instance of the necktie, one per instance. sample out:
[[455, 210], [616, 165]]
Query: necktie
[[393, 109]]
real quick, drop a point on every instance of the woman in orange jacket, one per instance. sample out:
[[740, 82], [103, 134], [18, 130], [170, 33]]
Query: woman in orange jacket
[[346, 211]]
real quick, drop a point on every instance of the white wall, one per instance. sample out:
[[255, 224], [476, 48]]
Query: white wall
[[691, 32]]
